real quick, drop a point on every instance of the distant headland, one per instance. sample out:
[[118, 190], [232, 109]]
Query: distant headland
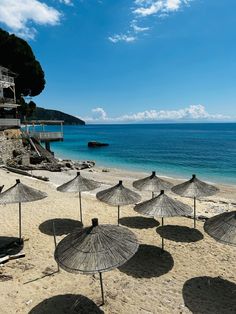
[[50, 114]]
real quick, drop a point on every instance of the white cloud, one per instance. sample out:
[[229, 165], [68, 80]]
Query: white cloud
[[18, 16], [138, 29], [191, 113], [150, 7], [101, 113], [67, 2], [143, 10], [173, 4], [121, 37]]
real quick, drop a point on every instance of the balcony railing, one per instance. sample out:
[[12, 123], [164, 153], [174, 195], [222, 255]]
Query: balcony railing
[[47, 136], [7, 78], [4, 100], [9, 122]]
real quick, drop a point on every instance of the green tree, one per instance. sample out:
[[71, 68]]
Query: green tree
[[17, 55], [26, 109]]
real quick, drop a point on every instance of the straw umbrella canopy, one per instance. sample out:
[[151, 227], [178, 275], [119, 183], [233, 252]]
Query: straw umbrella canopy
[[96, 249], [152, 183], [79, 184], [194, 188], [118, 195], [163, 206], [222, 227], [20, 193]]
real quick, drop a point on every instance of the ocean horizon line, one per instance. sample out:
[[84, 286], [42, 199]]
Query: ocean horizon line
[[160, 123]]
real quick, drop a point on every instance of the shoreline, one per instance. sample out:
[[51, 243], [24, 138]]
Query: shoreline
[[138, 174], [224, 200], [133, 169]]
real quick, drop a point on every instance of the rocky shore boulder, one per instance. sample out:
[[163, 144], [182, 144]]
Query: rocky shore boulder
[[77, 165], [95, 144], [20, 152]]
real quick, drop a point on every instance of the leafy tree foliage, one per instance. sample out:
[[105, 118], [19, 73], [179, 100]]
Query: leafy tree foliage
[[26, 110], [17, 55]]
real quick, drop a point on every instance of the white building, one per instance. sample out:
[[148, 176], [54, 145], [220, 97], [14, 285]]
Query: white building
[[8, 106]]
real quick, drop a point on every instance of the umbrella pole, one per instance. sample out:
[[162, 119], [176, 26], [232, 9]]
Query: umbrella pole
[[55, 241], [101, 284], [118, 215], [194, 212], [20, 221], [162, 239], [80, 207], [152, 194]]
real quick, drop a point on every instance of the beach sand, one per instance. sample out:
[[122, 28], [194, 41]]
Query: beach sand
[[195, 274]]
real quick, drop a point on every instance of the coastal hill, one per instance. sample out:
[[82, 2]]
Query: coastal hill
[[50, 114]]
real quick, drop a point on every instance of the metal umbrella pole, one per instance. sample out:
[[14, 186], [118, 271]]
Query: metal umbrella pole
[[162, 239], [102, 291], [20, 221], [118, 222], [55, 241], [194, 212], [80, 206]]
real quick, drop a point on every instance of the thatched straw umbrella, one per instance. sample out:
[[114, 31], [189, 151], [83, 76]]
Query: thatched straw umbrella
[[152, 183], [222, 227], [20, 193], [79, 184], [118, 195], [194, 188], [96, 249], [162, 206]]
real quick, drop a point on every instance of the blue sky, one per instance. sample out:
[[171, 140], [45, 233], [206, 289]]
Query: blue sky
[[132, 60]]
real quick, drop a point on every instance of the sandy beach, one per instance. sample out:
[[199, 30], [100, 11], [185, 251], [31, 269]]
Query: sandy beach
[[194, 275]]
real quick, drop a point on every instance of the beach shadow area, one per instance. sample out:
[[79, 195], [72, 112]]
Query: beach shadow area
[[149, 261], [66, 304], [138, 222], [10, 245], [210, 295], [179, 233], [63, 226]]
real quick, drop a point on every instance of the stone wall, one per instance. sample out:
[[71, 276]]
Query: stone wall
[[10, 140]]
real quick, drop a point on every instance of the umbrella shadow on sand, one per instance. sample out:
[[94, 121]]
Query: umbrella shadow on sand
[[210, 295], [10, 245], [149, 261], [139, 222], [62, 226], [68, 303], [179, 233]]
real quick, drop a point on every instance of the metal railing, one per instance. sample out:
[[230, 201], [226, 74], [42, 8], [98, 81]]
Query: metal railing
[[9, 122], [4, 100], [6, 78], [44, 136]]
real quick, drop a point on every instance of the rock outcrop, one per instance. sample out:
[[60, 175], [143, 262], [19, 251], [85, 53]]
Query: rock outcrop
[[95, 144], [21, 152], [11, 145]]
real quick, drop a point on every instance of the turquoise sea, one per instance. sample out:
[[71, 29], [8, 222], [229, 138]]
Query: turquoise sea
[[176, 150]]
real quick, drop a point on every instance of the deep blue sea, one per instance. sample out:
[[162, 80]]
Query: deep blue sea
[[176, 150]]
